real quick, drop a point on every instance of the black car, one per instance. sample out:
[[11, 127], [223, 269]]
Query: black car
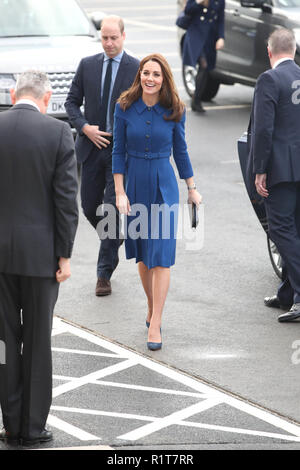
[[259, 208], [248, 24]]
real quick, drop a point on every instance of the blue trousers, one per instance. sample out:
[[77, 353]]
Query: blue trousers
[[283, 214], [97, 188]]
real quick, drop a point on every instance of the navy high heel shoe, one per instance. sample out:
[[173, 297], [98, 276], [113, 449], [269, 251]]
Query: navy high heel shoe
[[154, 346]]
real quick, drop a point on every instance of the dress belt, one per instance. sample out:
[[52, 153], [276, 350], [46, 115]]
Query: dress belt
[[148, 156]]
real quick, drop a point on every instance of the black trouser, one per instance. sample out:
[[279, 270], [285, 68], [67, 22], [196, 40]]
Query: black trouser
[[26, 312], [283, 213], [97, 188]]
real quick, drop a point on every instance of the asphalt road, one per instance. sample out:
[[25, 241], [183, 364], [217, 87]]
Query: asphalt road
[[215, 326]]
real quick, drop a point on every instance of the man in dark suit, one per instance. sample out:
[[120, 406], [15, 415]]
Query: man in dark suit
[[275, 149], [99, 81], [38, 221]]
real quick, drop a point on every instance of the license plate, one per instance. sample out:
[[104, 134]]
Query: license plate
[[56, 105]]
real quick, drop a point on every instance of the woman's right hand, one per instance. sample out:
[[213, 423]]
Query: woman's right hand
[[122, 203]]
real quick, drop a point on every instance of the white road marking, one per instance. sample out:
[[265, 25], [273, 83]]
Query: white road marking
[[112, 414], [150, 389], [70, 429], [170, 419], [165, 54], [209, 395], [63, 377], [88, 353], [151, 26], [248, 432], [223, 107], [135, 8], [86, 379], [146, 41], [226, 162]]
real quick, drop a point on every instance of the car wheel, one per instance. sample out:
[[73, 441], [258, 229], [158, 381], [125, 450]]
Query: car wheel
[[211, 88], [189, 77], [275, 257]]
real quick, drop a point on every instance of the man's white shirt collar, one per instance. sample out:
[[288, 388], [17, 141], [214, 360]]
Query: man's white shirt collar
[[117, 58], [26, 101], [281, 60]]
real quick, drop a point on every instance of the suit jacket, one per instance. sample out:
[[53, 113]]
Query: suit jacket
[[38, 189], [86, 86], [275, 124]]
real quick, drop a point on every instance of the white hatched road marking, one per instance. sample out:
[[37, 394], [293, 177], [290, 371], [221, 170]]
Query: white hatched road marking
[[86, 379], [170, 419], [210, 397], [70, 429]]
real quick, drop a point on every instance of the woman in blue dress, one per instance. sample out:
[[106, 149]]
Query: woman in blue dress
[[149, 123]]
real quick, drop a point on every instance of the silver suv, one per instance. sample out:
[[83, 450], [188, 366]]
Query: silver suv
[[49, 35]]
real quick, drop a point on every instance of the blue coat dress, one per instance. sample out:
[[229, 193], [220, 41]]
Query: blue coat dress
[[206, 28], [143, 142]]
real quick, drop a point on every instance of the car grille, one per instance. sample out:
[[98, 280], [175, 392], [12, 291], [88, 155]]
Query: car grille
[[61, 82]]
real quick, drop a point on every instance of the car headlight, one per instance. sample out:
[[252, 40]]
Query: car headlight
[[7, 81]]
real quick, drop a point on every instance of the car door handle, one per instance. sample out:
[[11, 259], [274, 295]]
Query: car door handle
[[236, 12]]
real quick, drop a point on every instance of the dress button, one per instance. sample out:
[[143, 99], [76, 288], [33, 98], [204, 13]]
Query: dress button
[[216, 17], [149, 109], [148, 122], [204, 10], [210, 20], [202, 18]]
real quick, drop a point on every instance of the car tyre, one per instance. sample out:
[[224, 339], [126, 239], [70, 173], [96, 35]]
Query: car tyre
[[275, 257], [189, 76]]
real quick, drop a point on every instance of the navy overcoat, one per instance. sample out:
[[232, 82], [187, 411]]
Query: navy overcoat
[[206, 28]]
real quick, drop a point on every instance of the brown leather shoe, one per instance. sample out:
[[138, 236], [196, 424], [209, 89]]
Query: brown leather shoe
[[103, 287]]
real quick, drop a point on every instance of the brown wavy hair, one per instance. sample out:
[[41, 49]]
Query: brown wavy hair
[[168, 97]]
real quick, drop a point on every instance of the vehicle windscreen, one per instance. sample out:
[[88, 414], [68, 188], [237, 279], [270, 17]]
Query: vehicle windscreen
[[42, 18]]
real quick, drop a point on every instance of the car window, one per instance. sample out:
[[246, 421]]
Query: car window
[[287, 3], [42, 18]]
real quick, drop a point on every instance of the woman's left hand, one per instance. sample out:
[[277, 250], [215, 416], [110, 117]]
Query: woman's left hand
[[195, 197], [220, 44]]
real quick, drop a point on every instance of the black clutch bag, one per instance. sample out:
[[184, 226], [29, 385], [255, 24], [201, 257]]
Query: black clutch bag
[[184, 21], [194, 216]]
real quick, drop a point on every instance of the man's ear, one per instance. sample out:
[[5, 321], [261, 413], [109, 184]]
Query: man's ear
[[269, 53], [46, 99], [13, 95]]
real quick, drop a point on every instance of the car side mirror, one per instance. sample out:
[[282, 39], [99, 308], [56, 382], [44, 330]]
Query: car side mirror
[[96, 18]]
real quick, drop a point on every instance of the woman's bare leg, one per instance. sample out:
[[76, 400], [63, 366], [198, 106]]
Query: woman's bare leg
[[146, 278], [160, 287]]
